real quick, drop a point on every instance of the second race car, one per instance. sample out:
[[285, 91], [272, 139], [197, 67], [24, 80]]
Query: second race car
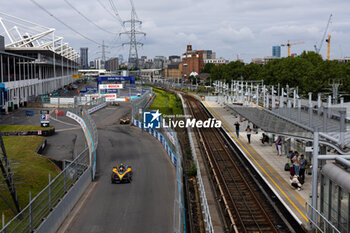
[[124, 121]]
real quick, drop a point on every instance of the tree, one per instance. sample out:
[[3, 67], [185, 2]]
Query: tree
[[312, 57], [252, 71], [207, 68]]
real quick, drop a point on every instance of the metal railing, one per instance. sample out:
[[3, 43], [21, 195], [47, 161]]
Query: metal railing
[[171, 144], [44, 202], [92, 131], [203, 198], [322, 224]]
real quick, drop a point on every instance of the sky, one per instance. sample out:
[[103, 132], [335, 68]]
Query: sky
[[231, 28]]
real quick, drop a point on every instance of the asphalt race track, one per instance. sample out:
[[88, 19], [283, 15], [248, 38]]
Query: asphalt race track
[[144, 205]]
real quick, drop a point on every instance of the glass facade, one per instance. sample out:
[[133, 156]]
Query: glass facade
[[334, 204], [276, 51]]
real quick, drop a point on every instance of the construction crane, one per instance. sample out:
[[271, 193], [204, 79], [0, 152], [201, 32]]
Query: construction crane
[[318, 49], [328, 47], [290, 44]]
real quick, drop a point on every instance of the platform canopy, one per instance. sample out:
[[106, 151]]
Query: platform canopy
[[290, 122]]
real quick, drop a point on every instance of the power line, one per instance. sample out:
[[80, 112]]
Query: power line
[[106, 9], [134, 9], [87, 19], [114, 8], [49, 13]]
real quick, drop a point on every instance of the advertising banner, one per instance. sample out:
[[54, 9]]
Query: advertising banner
[[110, 86]]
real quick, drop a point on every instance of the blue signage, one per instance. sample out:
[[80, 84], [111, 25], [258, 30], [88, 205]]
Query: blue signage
[[131, 79], [91, 88], [152, 120]]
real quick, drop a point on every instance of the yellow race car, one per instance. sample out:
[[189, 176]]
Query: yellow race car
[[124, 121], [121, 174]]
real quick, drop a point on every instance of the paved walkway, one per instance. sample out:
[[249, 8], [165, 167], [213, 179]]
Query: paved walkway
[[265, 159]]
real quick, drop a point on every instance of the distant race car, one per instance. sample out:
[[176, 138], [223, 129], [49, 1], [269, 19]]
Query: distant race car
[[125, 121], [121, 174]]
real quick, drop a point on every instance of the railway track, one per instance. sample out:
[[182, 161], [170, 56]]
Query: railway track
[[243, 204]]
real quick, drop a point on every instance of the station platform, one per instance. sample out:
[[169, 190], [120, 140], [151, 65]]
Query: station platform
[[265, 159]]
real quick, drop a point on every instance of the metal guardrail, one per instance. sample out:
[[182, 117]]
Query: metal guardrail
[[203, 198], [176, 159], [92, 130], [322, 224], [44, 202], [170, 145]]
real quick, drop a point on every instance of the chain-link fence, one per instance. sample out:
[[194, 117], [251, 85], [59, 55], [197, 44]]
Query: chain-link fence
[[141, 104], [42, 204]]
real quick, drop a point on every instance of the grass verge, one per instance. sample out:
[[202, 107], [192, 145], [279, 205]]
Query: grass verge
[[31, 172], [15, 128]]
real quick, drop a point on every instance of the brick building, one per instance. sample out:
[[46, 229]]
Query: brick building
[[192, 61], [173, 72]]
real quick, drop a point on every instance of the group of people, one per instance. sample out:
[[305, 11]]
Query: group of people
[[297, 169], [248, 130], [296, 163]]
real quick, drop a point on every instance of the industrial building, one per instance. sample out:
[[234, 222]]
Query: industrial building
[[173, 72], [33, 62], [192, 61]]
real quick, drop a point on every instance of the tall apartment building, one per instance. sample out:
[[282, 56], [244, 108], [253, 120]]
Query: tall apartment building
[[112, 64], [276, 51], [98, 64], [192, 61], [84, 59]]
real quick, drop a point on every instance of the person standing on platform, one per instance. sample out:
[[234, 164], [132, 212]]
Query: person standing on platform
[[291, 154], [279, 146], [237, 128], [302, 163], [249, 133], [296, 164]]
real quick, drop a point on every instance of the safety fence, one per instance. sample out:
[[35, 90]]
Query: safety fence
[[88, 125], [203, 198], [179, 219], [160, 138], [142, 103], [49, 202], [44, 203], [171, 145], [319, 222]]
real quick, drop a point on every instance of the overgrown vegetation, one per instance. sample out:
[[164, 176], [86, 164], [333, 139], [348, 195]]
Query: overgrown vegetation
[[167, 103], [31, 170], [308, 71]]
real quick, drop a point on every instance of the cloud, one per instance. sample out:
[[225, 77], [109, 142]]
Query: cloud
[[225, 26]]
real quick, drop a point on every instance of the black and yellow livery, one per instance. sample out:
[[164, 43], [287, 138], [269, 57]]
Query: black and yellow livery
[[121, 174], [124, 121]]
